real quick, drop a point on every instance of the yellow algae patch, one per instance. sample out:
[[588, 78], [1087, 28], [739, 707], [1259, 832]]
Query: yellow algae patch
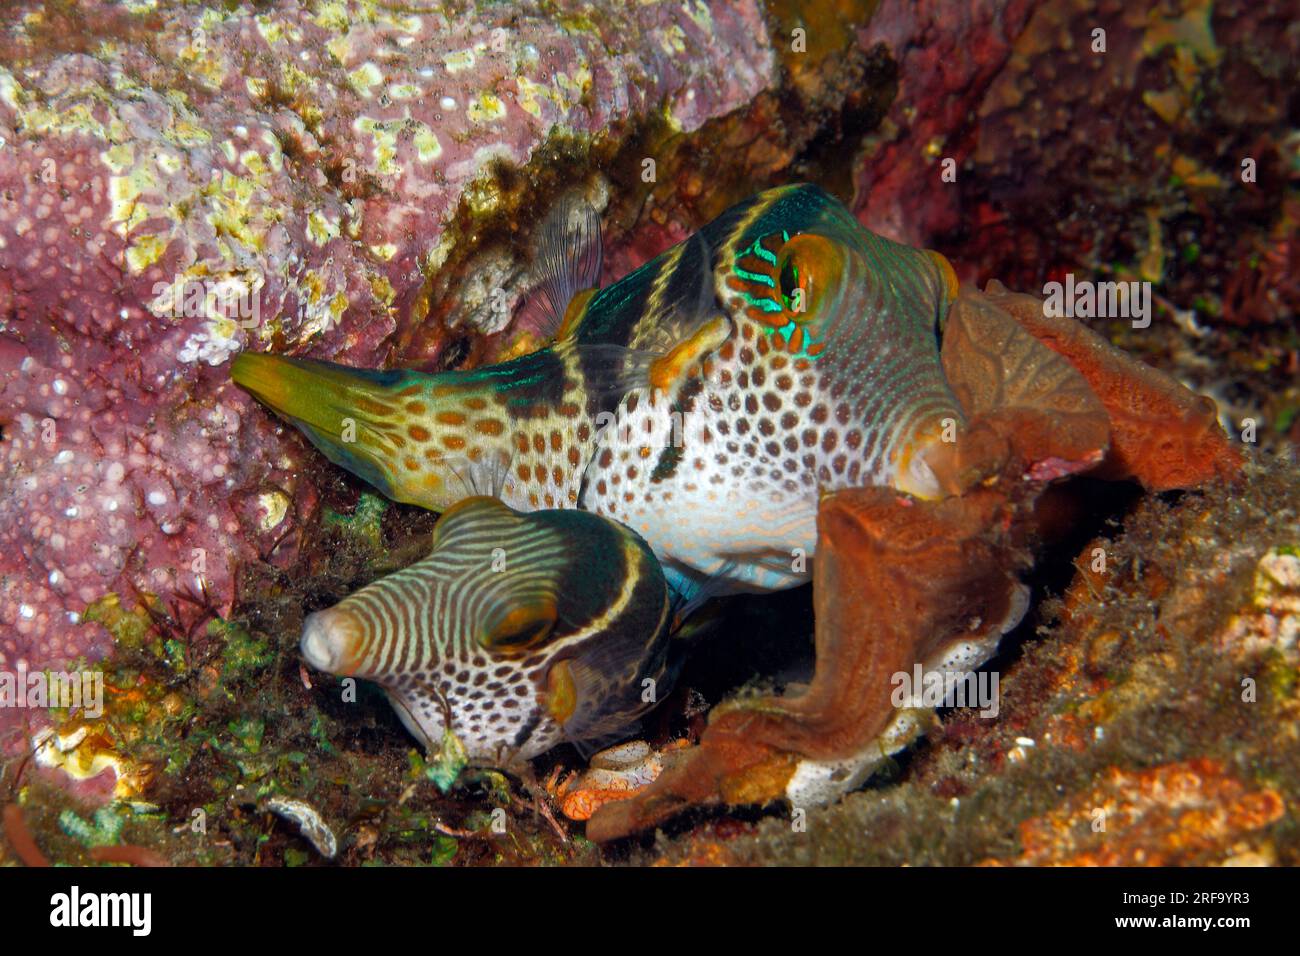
[[673, 40], [340, 48], [314, 286], [318, 313], [574, 88], [274, 506], [382, 134], [700, 16], [321, 228], [126, 210], [294, 80], [1187, 169], [364, 78], [169, 163], [274, 154], [483, 194], [404, 91], [144, 251], [76, 119], [340, 15], [9, 89], [118, 158], [427, 147], [1167, 104], [252, 160], [456, 62], [407, 24], [230, 202], [274, 32], [382, 290], [1192, 30], [670, 119], [296, 83], [1152, 265], [437, 256], [182, 130], [338, 305], [487, 107], [123, 83], [82, 753], [332, 15], [199, 56], [385, 251], [531, 94], [186, 134]]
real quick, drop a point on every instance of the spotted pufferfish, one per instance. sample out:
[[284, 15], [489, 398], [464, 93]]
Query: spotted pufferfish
[[699, 406]]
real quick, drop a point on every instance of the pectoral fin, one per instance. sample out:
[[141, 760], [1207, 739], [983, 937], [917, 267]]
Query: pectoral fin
[[567, 259], [616, 370], [601, 693], [667, 371]]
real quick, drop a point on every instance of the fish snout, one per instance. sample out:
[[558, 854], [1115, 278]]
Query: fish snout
[[332, 641], [915, 468]]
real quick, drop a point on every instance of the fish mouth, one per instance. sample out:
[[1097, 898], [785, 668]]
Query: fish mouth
[[919, 480], [915, 470], [332, 641]]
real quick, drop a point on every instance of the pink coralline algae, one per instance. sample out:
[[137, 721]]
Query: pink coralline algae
[[177, 185], [947, 53]]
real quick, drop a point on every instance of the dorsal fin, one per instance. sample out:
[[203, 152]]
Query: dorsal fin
[[567, 260]]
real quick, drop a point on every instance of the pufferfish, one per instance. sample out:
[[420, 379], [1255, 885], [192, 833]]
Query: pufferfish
[[707, 400], [516, 633]]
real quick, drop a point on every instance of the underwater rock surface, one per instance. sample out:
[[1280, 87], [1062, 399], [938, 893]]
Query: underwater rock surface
[[180, 184], [1152, 721]]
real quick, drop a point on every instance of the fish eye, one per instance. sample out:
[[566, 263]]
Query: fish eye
[[521, 629], [808, 267], [526, 636], [791, 291]]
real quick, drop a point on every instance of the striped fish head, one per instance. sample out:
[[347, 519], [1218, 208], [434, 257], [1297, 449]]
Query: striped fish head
[[855, 315], [518, 631]]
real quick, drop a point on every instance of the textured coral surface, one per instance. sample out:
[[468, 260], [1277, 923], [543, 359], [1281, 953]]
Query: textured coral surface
[[179, 182]]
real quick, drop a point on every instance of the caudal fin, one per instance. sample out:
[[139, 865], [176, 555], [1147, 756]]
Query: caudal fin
[[409, 434]]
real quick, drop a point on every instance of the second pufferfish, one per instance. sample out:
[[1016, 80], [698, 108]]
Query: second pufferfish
[[516, 633]]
